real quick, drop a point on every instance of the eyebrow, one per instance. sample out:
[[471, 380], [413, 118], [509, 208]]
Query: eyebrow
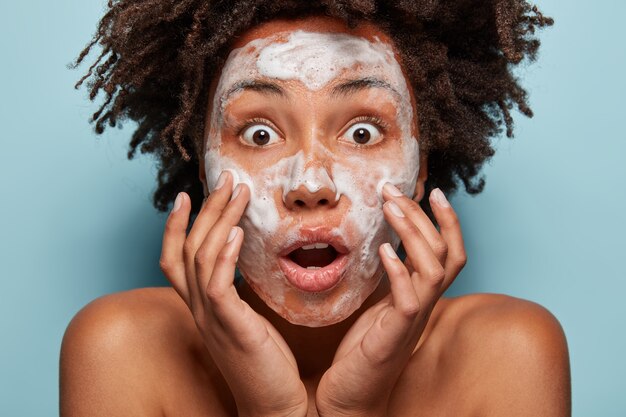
[[263, 87], [354, 86]]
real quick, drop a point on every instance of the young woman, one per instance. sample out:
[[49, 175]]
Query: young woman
[[324, 137]]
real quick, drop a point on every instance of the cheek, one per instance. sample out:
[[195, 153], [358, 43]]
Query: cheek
[[212, 167], [264, 217], [366, 181], [362, 179]]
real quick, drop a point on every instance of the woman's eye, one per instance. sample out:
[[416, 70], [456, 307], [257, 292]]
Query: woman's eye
[[259, 135], [363, 134]]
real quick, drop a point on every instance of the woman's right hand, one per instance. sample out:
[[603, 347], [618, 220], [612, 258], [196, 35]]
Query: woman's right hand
[[252, 356]]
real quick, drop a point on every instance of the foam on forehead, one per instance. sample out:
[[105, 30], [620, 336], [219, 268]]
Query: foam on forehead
[[314, 59]]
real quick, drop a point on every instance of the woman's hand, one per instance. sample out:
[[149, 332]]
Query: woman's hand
[[378, 346], [254, 359]]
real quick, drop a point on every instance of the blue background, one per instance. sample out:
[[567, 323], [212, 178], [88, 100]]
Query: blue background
[[76, 220]]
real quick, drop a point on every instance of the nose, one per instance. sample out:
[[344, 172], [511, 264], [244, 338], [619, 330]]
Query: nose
[[303, 198]]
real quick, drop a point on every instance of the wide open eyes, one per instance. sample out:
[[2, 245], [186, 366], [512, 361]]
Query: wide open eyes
[[362, 133], [259, 135]]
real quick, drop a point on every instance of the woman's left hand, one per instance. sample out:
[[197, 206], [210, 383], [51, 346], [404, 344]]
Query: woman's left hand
[[378, 346]]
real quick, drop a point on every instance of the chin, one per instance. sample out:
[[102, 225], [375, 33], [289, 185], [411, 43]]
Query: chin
[[310, 306]]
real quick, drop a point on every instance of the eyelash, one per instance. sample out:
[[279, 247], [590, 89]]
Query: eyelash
[[375, 120], [255, 121]]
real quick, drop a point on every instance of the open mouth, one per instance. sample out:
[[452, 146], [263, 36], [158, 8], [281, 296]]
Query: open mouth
[[314, 256], [314, 266]]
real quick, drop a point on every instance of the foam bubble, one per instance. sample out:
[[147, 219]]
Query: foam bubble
[[314, 60]]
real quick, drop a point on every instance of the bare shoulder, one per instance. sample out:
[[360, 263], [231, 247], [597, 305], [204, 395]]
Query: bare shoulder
[[126, 353], [496, 315], [129, 309], [516, 349], [125, 323]]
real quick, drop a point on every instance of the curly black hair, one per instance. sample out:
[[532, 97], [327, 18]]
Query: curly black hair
[[159, 56]]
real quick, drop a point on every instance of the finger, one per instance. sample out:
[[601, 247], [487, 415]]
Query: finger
[[415, 213], [172, 262], [403, 294], [430, 272], [214, 241], [391, 333], [234, 315], [209, 212], [221, 291], [450, 231]]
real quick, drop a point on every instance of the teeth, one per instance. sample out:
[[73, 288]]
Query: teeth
[[313, 267], [315, 246]]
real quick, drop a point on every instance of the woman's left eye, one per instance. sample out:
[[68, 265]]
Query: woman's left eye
[[260, 135], [363, 134]]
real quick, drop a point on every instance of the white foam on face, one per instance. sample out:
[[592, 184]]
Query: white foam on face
[[313, 178], [315, 60]]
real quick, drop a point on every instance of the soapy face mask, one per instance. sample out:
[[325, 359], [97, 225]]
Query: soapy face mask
[[314, 124]]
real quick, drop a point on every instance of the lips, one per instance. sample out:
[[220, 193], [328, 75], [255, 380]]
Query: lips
[[315, 263]]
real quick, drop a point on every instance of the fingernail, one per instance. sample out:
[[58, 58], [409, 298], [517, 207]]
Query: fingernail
[[389, 251], [392, 190], [178, 202], [440, 198], [220, 180], [236, 192], [232, 234], [394, 209]]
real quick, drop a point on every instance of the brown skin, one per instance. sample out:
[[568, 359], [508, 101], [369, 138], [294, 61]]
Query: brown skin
[[143, 353], [313, 122], [138, 353]]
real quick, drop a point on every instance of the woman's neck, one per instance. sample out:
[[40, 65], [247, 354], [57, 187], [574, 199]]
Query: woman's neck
[[313, 347]]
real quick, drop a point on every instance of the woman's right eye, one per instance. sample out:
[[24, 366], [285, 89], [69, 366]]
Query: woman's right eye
[[259, 135]]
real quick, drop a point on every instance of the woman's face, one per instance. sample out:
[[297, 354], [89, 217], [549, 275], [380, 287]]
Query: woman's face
[[314, 117]]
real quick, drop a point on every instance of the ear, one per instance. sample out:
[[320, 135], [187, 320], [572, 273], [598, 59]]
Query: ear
[[202, 176], [422, 176]]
